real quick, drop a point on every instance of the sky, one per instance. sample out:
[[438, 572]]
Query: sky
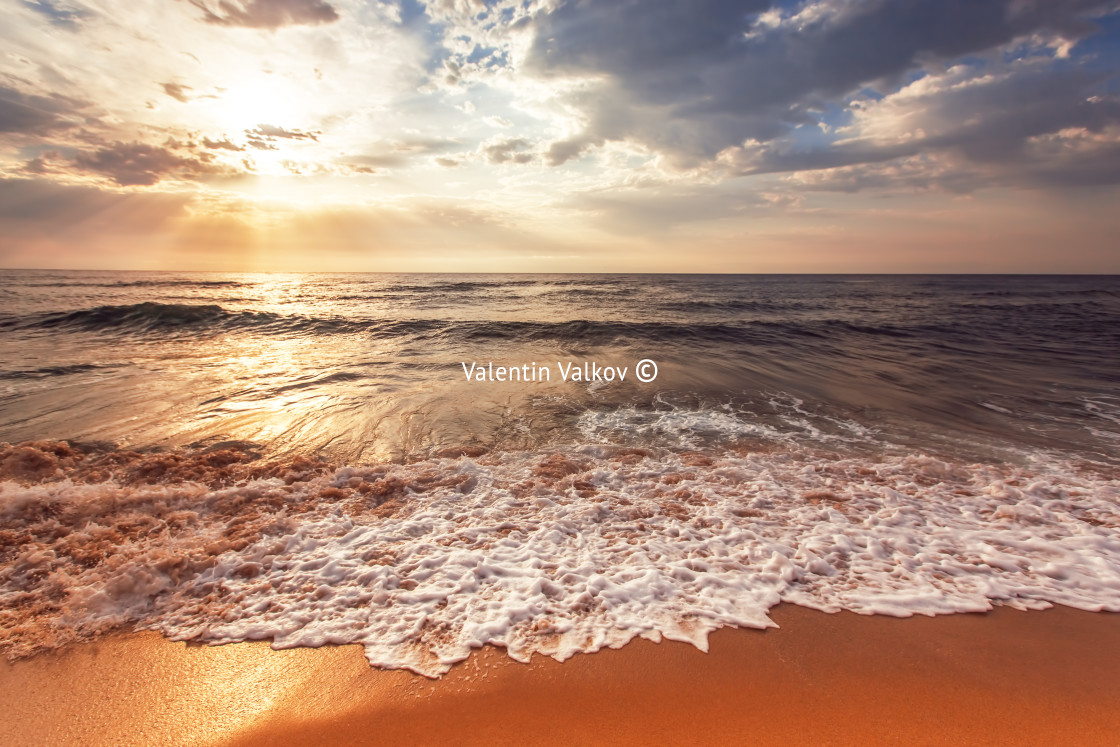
[[561, 135]]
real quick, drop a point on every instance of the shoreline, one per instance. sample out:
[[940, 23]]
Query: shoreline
[[994, 678]]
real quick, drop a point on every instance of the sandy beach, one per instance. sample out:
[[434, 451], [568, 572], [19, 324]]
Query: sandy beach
[[1005, 677]]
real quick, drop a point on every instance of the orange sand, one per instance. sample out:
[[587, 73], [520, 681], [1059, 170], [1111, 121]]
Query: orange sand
[[1006, 677]]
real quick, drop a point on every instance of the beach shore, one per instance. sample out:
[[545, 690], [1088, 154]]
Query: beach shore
[[1005, 677]]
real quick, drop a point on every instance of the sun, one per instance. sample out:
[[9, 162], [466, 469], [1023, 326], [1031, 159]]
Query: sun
[[248, 101]]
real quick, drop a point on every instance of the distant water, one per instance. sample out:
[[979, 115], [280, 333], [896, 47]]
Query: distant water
[[302, 458]]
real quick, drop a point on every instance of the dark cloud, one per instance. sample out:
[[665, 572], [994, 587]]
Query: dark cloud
[[454, 72], [690, 80], [266, 14], [996, 121], [399, 153], [993, 129], [47, 162], [176, 91], [1075, 159], [507, 150], [140, 164], [1072, 159], [563, 151], [271, 132], [223, 144], [33, 113], [58, 13]]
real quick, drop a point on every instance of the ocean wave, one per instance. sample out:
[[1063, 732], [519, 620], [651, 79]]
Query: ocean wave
[[553, 552], [148, 316], [177, 283], [458, 286], [48, 371], [582, 292], [1035, 294], [163, 317], [732, 304], [173, 283]]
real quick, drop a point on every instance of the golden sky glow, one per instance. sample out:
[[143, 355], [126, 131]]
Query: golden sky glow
[[544, 135]]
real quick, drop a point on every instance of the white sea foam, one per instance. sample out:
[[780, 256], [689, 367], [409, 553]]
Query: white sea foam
[[678, 428], [566, 552], [1107, 409], [689, 428]]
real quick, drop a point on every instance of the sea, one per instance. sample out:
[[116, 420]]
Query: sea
[[319, 459]]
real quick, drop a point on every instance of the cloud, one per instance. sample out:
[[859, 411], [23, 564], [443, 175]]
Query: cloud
[[400, 153], [562, 151], [266, 14], [692, 80], [376, 161], [31, 113], [988, 126], [270, 132], [61, 14], [462, 9], [176, 91], [989, 116], [507, 150], [1076, 156], [223, 144], [140, 164]]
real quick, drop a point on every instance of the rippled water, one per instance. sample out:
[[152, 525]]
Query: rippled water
[[301, 458], [367, 367]]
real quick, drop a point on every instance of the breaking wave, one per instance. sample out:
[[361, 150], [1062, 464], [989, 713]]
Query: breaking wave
[[541, 552], [152, 317]]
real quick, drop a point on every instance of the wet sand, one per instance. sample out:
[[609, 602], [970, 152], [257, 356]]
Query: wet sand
[[1005, 677]]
